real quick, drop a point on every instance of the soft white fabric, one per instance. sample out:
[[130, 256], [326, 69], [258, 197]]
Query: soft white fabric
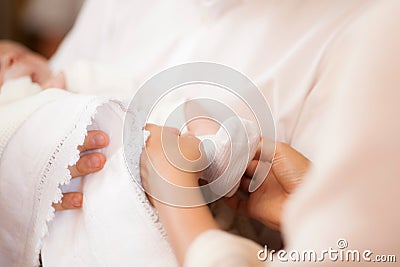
[[91, 77], [280, 45], [328, 69], [17, 89], [319, 63], [116, 213], [352, 191], [34, 163], [232, 251], [229, 152], [117, 81], [14, 109], [116, 226]]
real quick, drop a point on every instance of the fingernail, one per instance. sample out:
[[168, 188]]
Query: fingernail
[[94, 162], [76, 202], [99, 139]]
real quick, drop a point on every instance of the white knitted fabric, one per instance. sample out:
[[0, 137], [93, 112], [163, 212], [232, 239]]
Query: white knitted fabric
[[15, 108]]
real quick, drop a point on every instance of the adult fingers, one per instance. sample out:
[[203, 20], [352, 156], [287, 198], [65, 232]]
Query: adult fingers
[[258, 171], [290, 166], [94, 140], [251, 168], [87, 164], [69, 201], [267, 147], [244, 184]]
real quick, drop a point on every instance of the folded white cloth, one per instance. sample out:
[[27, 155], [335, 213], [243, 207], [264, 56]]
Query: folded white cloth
[[34, 164], [14, 109], [116, 226]]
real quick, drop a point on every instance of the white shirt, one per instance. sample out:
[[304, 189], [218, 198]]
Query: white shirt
[[328, 69]]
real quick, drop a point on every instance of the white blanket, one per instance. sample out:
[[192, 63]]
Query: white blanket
[[33, 166], [116, 225]]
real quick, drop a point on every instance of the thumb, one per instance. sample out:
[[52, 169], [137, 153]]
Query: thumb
[[289, 166]]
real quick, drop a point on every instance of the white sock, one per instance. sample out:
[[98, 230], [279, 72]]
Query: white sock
[[229, 151]]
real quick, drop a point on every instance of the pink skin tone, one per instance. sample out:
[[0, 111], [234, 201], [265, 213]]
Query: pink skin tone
[[17, 61], [183, 224]]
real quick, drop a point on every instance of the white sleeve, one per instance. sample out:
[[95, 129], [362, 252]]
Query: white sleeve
[[90, 77], [352, 194], [219, 248]]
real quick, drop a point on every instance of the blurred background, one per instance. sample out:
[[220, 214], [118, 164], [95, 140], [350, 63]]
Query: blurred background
[[39, 24]]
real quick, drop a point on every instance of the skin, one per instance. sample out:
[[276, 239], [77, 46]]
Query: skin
[[17, 61], [183, 225], [87, 164], [267, 202]]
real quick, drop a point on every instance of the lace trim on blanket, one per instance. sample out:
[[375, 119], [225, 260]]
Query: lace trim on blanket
[[135, 124], [66, 154]]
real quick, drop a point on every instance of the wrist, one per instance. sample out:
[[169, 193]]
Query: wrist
[[184, 225]]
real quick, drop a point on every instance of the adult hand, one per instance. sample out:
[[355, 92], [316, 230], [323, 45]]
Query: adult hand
[[88, 163], [267, 202]]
